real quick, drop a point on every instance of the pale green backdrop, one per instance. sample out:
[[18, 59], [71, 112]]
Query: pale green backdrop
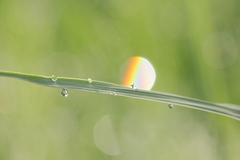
[[193, 46]]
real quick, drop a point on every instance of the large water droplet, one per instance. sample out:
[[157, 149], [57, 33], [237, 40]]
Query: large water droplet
[[133, 86], [170, 106], [64, 92], [54, 78], [89, 80]]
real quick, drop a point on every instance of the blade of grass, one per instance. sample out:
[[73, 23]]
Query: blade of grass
[[229, 110]]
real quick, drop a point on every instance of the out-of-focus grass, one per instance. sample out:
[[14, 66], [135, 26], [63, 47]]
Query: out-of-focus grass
[[93, 39]]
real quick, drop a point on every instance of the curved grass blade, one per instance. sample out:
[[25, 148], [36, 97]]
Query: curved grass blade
[[229, 110]]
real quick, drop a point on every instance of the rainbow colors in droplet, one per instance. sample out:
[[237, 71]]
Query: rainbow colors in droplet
[[140, 72]]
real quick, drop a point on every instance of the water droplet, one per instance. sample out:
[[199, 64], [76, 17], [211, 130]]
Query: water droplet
[[112, 93], [54, 78], [64, 92], [170, 106], [89, 80], [133, 86]]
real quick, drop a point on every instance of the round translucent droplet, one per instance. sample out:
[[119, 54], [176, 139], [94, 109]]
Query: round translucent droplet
[[138, 71], [64, 92], [170, 106], [133, 86], [54, 78], [89, 80]]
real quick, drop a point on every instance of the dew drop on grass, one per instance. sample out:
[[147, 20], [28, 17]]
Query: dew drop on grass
[[170, 106], [64, 92], [54, 78], [133, 86], [112, 93], [89, 80]]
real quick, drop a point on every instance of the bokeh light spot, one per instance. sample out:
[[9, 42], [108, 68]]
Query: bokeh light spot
[[219, 50], [138, 71], [104, 136]]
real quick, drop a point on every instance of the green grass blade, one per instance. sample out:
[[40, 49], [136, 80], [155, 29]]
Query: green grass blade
[[229, 110]]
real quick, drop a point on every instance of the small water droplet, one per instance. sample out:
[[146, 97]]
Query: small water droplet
[[89, 80], [54, 78], [133, 86], [170, 106], [112, 93], [64, 92]]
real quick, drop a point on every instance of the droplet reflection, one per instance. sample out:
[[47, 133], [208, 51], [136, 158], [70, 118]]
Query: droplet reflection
[[133, 86], [54, 78], [64, 92], [89, 80], [171, 106]]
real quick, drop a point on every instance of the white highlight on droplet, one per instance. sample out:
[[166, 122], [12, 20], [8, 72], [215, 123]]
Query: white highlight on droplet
[[104, 136], [54, 78], [89, 80]]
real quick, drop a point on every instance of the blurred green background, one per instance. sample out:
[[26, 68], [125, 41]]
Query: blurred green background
[[193, 46]]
